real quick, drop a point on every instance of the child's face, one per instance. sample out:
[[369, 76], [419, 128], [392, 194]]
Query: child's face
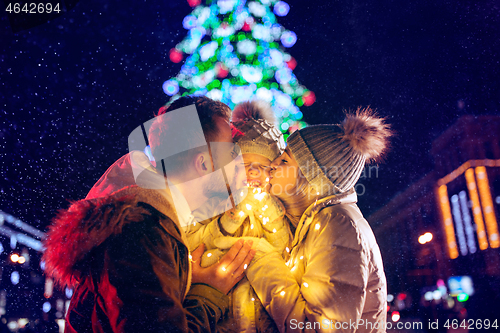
[[257, 169]]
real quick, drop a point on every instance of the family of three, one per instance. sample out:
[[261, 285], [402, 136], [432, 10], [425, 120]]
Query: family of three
[[227, 228]]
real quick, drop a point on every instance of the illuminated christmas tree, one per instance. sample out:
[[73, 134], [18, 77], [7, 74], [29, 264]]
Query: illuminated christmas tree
[[235, 51]]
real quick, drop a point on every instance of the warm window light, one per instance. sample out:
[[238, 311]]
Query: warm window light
[[487, 204], [21, 260], [476, 209], [14, 258], [447, 221], [425, 238]]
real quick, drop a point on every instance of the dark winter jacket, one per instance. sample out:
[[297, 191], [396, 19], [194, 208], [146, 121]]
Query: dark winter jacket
[[127, 259]]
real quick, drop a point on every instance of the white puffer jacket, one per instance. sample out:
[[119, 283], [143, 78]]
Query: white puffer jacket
[[334, 280]]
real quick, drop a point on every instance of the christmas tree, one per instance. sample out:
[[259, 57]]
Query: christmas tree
[[235, 51]]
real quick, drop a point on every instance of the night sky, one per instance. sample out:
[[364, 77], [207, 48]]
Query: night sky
[[73, 89]]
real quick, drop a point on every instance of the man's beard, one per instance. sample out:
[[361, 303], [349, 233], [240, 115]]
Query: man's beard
[[216, 186]]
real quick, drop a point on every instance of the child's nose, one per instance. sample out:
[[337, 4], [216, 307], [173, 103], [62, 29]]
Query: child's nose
[[253, 172]]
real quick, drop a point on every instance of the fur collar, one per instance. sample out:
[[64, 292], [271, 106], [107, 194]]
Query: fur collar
[[87, 223]]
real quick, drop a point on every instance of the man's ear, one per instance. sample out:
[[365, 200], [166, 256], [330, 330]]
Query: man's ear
[[203, 163]]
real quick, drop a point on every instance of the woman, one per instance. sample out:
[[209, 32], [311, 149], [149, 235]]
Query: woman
[[334, 278]]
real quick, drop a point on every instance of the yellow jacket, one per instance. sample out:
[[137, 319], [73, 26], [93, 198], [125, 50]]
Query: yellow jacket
[[334, 280], [245, 307]]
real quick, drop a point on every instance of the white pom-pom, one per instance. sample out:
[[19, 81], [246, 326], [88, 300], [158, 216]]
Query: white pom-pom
[[366, 133], [256, 109]]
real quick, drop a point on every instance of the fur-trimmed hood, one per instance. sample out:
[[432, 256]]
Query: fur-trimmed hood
[[87, 223]]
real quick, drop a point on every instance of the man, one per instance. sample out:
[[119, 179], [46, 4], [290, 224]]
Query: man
[[123, 248]]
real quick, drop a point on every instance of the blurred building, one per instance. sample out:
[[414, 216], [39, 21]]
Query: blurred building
[[27, 297], [455, 208]]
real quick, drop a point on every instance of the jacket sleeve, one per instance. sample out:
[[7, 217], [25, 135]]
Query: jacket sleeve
[[279, 237], [207, 228], [277, 228], [332, 287], [204, 232], [147, 275]]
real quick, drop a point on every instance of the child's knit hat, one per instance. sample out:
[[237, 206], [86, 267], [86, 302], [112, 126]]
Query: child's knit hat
[[254, 129], [332, 157]]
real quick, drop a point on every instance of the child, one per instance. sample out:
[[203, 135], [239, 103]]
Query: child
[[259, 216]]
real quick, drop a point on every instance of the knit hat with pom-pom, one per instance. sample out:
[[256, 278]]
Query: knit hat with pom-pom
[[332, 157], [254, 129]]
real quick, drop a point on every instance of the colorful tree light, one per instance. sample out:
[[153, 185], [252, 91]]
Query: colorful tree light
[[236, 52], [462, 297], [309, 98], [170, 87], [292, 63], [194, 3], [175, 56], [288, 38], [281, 8]]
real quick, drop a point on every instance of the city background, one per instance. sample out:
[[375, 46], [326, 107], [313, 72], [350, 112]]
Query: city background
[[74, 88]]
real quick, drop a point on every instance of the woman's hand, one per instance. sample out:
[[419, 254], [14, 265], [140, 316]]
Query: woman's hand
[[228, 271]]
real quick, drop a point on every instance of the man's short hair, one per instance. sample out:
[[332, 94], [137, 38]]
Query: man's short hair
[[208, 111]]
